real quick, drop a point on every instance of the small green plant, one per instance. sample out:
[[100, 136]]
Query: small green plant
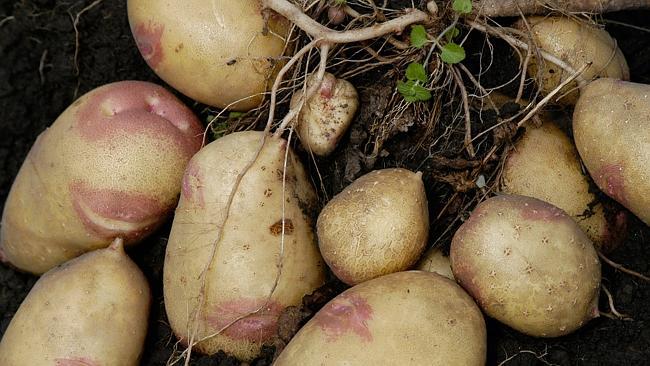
[[412, 89]]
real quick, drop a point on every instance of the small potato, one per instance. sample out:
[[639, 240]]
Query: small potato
[[378, 225], [435, 261], [577, 44], [611, 127], [545, 165], [217, 52], [326, 116], [528, 265], [91, 311], [110, 166], [405, 318], [232, 280]]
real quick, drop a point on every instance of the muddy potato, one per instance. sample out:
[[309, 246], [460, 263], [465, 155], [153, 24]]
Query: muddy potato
[[435, 261], [528, 265], [545, 165], [214, 51], [378, 225], [405, 318], [242, 257], [91, 311], [611, 128], [111, 165], [577, 44], [326, 116]]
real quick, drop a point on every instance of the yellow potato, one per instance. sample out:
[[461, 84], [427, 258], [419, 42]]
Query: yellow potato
[[405, 318], [545, 165], [91, 311], [215, 276], [528, 265], [214, 51], [379, 224], [577, 44], [435, 261], [611, 127]]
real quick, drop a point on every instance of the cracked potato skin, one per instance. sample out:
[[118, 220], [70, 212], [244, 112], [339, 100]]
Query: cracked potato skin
[[378, 225], [528, 265], [242, 257]]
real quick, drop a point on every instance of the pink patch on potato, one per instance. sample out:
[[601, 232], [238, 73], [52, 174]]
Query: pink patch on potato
[[148, 39], [610, 179], [536, 210], [192, 186], [327, 87], [136, 107], [109, 213], [257, 327], [346, 313], [77, 361]]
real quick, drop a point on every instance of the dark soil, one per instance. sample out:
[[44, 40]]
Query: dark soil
[[38, 81]]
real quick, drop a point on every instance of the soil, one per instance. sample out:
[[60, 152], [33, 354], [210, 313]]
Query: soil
[[38, 80]]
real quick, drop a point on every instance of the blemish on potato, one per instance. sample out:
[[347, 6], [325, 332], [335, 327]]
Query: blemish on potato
[[276, 229], [347, 313], [192, 186], [257, 327], [147, 38], [77, 361], [610, 179]]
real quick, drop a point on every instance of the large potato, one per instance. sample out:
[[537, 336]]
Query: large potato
[[378, 225], [405, 318], [214, 51], [110, 166], [91, 311], [611, 127], [528, 265], [217, 274], [545, 165], [577, 44]]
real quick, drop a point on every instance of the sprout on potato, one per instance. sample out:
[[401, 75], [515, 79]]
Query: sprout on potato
[[528, 265], [326, 116], [109, 166], [378, 225], [405, 318]]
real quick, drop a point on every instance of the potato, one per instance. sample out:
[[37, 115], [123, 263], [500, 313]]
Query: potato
[[91, 311], [611, 129], [238, 261], [215, 51], [378, 225], [576, 43], [435, 261], [326, 116], [110, 166], [405, 318], [545, 165], [528, 265]]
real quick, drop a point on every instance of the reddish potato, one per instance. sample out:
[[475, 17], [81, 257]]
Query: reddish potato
[[405, 318], [91, 311], [214, 51], [111, 165], [528, 265]]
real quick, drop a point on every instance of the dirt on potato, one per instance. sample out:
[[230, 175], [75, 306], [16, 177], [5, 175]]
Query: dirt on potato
[[39, 78]]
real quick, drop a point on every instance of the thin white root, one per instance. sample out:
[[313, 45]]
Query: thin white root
[[612, 308], [317, 30], [623, 269], [75, 22], [468, 120]]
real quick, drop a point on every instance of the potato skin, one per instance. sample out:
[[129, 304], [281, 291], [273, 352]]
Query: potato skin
[[91, 311], [379, 224], [435, 261], [576, 43], [214, 51], [404, 318], [110, 165], [528, 265], [242, 273], [611, 131], [327, 115], [545, 165]]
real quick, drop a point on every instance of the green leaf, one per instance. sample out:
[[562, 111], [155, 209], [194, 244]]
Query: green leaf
[[413, 92], [235, 115], [415, 71], [452, 53], [418, 36], [462, 6], [452, 33]]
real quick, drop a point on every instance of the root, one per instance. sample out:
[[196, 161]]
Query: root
[[622, 268], [610, 300], [468, 121], [75, 22], [508, 8]]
